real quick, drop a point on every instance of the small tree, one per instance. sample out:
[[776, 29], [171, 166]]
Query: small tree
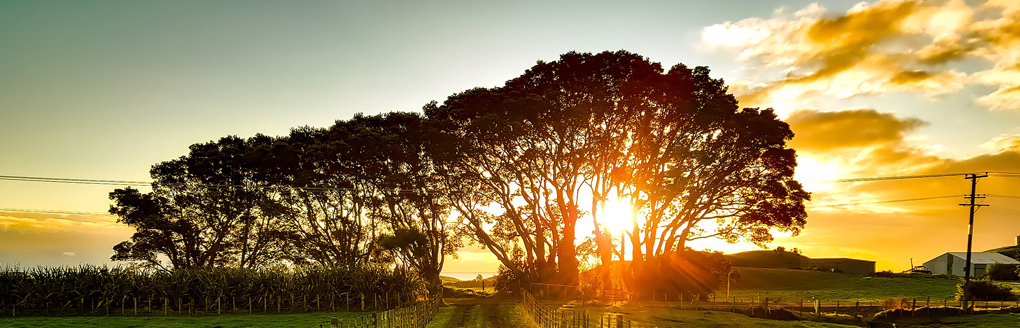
[[984, 290], [1002, 271]]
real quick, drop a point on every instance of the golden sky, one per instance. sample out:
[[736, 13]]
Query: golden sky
[[875, 88]]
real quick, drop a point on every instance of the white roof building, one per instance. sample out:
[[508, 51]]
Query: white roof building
[[952, 263]]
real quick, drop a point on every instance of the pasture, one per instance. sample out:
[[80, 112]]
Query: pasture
[[789, 285]]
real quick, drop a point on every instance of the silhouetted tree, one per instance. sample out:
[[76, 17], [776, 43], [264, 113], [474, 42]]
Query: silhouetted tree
[[695, 156], [415, 209], [205, 209], [538, 147], [673, 142]]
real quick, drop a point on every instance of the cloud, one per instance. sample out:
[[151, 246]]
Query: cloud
[[44, 239], [886, 220], [1002, 143], [822, 131], [887, 46]]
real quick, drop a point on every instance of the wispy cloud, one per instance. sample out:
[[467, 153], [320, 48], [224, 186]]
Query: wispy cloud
[[44, 239]]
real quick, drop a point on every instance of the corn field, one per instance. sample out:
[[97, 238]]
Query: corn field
[[93, 290]]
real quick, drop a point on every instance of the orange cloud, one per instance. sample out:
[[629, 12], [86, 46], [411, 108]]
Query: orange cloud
[[58, 239], [823, 131], [1002, 143], [873, 221], [886, 46]]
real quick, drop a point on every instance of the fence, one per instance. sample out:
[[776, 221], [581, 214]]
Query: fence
[[910, 306], [547, 317], [216, 305], [417, 315], [808, 309]]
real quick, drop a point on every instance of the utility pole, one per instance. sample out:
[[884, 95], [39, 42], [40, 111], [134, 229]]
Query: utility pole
[[973, 177]]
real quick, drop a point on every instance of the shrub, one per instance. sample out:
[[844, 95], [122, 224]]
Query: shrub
[[507, 283], [983, 290], [894, 303], [1001, 271], [886, 273]]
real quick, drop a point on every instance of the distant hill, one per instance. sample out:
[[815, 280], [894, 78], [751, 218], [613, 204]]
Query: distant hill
[[766, 259], [489, 283], [448, 280], [1010, 251]]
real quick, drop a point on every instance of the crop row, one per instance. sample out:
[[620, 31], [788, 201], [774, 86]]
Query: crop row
[[101, 290]]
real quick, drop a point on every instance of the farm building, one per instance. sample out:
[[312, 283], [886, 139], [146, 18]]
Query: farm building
[[844, 265], [952, 263]]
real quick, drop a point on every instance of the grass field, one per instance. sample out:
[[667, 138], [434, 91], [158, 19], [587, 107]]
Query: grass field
[[671, 317], [792, 285], [484, 314], [981, 320], [226, 321]]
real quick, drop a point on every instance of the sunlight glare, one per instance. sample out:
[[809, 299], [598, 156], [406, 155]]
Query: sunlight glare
[[814, 175], [617, 216]]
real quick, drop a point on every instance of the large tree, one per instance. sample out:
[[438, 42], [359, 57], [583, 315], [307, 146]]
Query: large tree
[[569, 134], [417, 229], [541, 148], [205, 209], [696, 157]]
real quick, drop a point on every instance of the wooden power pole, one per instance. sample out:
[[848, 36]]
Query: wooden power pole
[[973, 177]]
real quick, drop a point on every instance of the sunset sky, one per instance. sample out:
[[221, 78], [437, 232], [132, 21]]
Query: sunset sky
[[105, 89]]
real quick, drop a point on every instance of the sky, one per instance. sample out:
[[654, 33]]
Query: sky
[[106, 89]]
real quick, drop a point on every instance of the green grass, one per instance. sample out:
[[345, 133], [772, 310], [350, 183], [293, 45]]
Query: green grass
[[980, 320], [226, 321], [482, 315], [668, 317], [793, 285]]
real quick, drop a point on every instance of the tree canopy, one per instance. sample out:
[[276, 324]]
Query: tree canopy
[[514, 168]]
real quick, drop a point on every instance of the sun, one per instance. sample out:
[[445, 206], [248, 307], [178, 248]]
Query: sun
[[815, 175], [616, 216]]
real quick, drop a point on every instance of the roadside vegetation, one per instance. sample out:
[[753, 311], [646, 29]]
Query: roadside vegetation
[[303, 320]]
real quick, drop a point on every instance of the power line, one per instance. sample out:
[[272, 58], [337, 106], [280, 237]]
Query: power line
[[1002, 196], [900, 177], [143, 183], [888, 201], [51, 211], [73, 181]]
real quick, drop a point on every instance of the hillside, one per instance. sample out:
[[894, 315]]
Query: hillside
[[446, 280], [791, 285], [454, 282], [1010, 251], [765, 259]]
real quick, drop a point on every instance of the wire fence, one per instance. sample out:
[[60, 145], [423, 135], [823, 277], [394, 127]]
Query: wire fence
[[207, 305], [843, 307], [548, 317], [416, 315]]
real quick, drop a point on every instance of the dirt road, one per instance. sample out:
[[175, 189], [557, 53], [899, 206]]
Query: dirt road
[[480, 312]]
